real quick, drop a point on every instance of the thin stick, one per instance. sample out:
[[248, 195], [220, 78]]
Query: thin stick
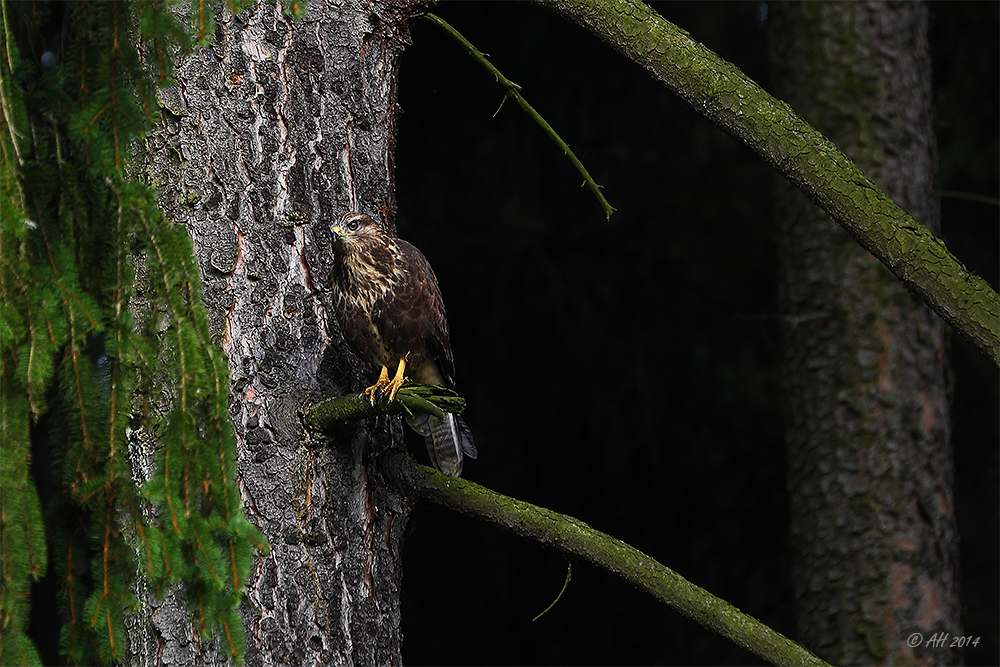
[[513, 91], [569, 575]]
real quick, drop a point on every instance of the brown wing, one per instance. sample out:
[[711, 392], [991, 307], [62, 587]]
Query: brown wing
[[411, 317]]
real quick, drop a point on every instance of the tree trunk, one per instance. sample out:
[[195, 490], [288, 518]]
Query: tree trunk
[[268, 133], [874, 537]]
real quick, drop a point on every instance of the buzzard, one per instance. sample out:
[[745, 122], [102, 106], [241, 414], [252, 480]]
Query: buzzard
[[389, 307]]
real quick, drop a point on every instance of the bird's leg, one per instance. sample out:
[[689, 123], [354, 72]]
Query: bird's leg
[[393, 385], [387, 386]]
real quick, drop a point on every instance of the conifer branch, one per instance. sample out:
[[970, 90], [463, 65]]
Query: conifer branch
[[332, 413]]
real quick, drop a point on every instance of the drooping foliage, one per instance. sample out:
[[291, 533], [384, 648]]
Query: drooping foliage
[[77, 241]]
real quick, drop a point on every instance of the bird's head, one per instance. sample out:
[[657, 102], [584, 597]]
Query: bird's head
[[365, 251], [354, 229]]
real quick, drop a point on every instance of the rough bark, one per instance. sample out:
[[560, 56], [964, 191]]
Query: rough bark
[[270, 131], [874, 537]]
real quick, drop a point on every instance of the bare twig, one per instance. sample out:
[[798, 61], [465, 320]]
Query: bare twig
[[513, 91]]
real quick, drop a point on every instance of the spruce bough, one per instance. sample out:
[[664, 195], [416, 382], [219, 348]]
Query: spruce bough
[[79, 240]]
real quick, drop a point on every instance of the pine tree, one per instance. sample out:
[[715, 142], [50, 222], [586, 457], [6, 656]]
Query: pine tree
[[77, 240]]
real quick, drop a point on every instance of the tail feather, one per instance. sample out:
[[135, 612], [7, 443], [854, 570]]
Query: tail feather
[[447, 440]]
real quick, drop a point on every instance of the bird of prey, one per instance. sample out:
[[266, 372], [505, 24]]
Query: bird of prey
[[389, 307]]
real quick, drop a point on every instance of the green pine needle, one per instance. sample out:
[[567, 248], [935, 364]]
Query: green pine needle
[[72, 231]]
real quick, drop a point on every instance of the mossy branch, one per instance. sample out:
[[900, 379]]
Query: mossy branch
[[569, 535], [513, 91], [411, 399], [575, 538], [720, 91]]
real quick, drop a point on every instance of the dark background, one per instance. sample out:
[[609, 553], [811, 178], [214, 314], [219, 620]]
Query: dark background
[[625, 372]]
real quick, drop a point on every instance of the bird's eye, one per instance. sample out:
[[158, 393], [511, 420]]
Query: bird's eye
[[353, 225]]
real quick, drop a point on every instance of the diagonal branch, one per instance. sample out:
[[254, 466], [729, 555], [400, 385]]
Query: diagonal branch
[[577, 539], [721, 92], [567, 534]]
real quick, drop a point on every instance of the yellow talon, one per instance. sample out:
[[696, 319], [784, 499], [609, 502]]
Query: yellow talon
[[383, 379], [387, 386]]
